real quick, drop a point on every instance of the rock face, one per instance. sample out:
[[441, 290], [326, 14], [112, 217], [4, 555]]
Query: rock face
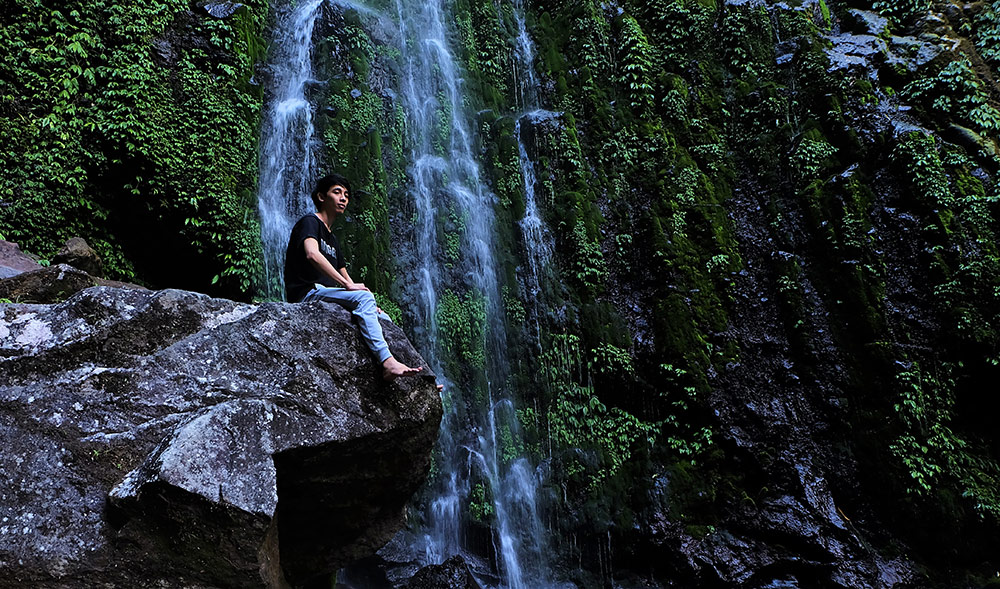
[[13, 261], [45, 285], [168, 437], [451, 574], [78, 253]]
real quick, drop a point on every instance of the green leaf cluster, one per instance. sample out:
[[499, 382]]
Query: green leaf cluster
[[987, 31], [135, 127], [956, 91]]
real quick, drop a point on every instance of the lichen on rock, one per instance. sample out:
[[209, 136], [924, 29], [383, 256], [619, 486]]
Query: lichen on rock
[[165, 436]]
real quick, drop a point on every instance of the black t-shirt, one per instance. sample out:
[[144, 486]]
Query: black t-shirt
[[300, 274]]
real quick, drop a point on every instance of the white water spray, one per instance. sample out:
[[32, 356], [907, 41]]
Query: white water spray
[[288, 139]]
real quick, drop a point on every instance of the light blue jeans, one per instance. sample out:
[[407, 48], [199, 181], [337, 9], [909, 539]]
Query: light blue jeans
[[361, 304]]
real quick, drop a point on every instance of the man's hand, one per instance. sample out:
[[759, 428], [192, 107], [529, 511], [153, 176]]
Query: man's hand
[[356, 286]]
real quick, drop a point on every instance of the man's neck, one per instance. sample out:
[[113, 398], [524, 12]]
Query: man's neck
[[326, 218]]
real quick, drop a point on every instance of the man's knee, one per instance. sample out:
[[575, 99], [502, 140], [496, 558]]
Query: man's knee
[[365, 299]]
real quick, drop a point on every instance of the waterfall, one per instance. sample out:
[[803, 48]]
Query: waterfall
[[445, 186], [536, 239], [538, 242], [289, 144], [524, 62], [445, 180]]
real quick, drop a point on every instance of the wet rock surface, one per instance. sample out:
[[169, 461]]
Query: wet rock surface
[[781, 414], [52, 284], [451, 574], [221, 10], [168, 437]]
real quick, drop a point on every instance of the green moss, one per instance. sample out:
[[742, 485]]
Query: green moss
[[480, 505], [462, 322], [355, 123]]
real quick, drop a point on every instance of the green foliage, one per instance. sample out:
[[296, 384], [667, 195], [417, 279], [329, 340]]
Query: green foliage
[[917, 154], [609, 359], [363, 139], [825, 11], [809, 155], [577, 418], [101, 122], [588, 260], [390, 307], [987, 31], [635, 65], [481, 26], [931, 450], [681, 29], [956, 91], [681, 433], [747, 37], [462, 322], [480, 505], [513, 307], [648, 179], [901, 11]]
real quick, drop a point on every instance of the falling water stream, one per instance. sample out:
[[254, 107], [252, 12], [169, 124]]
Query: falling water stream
[[289, 145], [445, 184]]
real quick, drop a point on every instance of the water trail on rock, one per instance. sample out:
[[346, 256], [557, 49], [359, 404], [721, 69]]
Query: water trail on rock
[[538, 242]]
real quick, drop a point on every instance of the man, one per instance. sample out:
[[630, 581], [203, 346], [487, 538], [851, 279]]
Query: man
[[315, 271]]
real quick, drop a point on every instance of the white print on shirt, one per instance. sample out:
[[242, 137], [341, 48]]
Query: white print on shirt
[[327, 249]]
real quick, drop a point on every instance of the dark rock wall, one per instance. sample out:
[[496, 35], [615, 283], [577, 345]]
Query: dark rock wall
[[798, 247], [768, 331]]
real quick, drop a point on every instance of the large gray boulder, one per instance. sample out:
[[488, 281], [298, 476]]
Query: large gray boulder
[[165, 438]]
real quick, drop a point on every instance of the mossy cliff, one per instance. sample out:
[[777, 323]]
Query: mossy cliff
[[776, 232], [135, 126], [763, 350], [772, 308]]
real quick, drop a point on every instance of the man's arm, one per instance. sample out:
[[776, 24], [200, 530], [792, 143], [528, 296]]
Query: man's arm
[[319, 261], [343, 272]]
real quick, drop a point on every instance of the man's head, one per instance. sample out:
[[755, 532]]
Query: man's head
[[324, 184]]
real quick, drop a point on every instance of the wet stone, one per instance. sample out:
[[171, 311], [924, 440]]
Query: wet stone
[[221, 10]]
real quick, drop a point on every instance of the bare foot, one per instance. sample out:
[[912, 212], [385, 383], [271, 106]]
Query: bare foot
[[393, 369]]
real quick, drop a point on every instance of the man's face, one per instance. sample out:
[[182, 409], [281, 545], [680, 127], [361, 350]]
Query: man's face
[[336, 198]]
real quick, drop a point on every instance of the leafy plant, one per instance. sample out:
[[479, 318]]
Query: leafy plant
[[956, 91], [933, 452], [901, 11], [102, 122]]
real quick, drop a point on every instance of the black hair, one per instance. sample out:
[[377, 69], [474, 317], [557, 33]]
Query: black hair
[[324, 184]]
